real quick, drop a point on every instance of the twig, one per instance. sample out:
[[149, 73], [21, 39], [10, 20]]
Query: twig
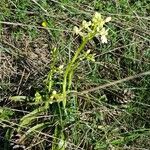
[[113, 83]]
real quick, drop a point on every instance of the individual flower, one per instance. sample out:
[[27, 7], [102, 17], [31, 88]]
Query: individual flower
[[108, 19], [44, 24], [88, 51], [76, 30], [60, 69], [61, 66], [86, 24], [38, 97], [103, 34], [54, 92], [103, 39]]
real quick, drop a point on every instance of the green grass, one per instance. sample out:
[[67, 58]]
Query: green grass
[[90, 121]]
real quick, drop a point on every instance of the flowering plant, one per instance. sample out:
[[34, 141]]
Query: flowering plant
[[93, 28], [87, 31]]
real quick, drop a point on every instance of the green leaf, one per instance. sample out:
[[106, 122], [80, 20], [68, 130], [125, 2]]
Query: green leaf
[[27, 119], [38, 127], [59, 142]]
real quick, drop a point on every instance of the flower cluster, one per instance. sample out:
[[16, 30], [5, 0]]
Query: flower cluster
[[93, 28], [56, 97]]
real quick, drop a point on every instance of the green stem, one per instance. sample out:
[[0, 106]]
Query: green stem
[[69, 68], [50, 81]]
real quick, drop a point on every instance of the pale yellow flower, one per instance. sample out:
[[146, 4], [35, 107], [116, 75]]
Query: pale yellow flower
[[44, 24], [108, 19], [103, 34], [54, 92], [76, 30], [61, 66], [86, 24], [88, 51], [104, 39], [52, 97]]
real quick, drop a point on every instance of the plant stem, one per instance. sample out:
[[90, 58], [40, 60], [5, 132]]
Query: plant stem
[[69, 67]]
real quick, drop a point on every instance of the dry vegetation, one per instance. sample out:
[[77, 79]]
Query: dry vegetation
[[115, 117]]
